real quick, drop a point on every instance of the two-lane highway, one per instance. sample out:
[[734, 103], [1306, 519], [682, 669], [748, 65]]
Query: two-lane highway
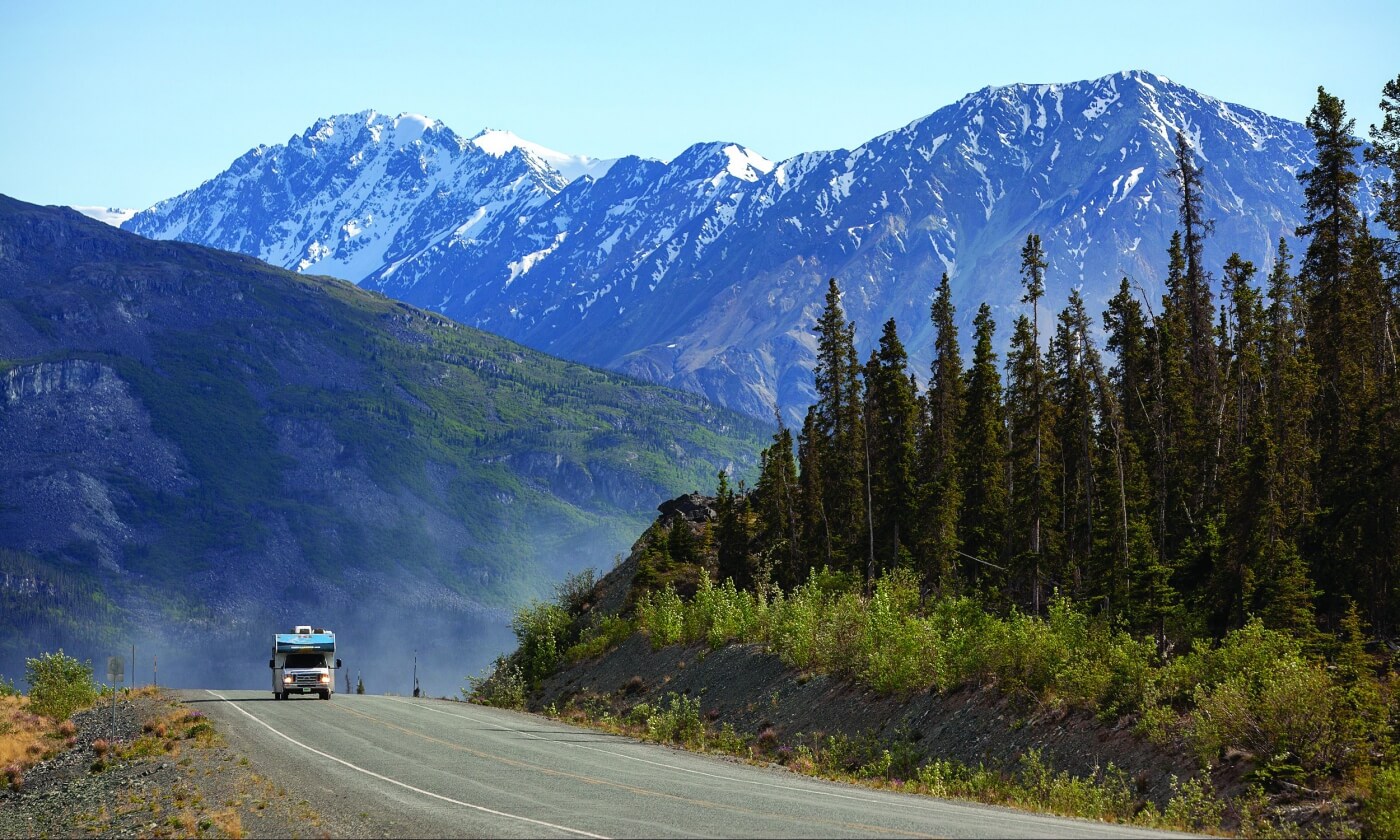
[[433, 768]]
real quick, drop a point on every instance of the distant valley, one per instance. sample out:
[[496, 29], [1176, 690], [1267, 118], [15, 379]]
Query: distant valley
[[200, 447]]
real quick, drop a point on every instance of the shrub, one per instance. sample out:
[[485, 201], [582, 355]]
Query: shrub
[[7, 688], [502, 685], [1381, 813], [1274, 704], [661, 615], [542, 630], [600, 638], [59, 685], [680, 721], [574, 593], [900, 647]]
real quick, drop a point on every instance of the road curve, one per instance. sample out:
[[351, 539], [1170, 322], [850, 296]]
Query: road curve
[[434, 768]]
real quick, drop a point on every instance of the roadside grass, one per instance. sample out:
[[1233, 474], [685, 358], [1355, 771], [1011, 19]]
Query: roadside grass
[[1109, 795], [26, 739], [1301, 718]]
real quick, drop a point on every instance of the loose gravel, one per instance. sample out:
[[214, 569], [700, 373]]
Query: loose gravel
[[192, 788]]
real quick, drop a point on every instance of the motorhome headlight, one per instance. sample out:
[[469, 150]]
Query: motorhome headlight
[[288, 679], [325, 678]]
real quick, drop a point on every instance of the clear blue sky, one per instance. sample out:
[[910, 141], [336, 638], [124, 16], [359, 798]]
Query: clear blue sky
[[126, 103]]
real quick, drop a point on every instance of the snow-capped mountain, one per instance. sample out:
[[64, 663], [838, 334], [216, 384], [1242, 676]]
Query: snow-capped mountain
[[707, 272]]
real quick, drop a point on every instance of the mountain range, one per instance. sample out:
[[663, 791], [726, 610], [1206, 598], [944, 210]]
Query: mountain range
[[199, 447], [706, 271]]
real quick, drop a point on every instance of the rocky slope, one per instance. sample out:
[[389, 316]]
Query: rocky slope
[[200, 447], [706, 271]]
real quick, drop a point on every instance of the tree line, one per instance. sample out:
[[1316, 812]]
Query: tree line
[[1217, 458]]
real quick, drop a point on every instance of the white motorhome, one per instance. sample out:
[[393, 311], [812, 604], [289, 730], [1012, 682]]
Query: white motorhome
[[303, 662]]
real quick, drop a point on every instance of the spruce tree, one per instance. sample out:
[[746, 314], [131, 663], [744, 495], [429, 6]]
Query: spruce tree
[[1286, 591], [982, 458], [1072, 391], [839, 435], [893, 424], [1031, 421], [1347, 308], [1384, 153], [1033, 501], [777, 506], [1248, 450], [940, 487], [731, 535]]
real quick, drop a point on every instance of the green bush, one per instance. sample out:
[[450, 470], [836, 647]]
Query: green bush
[[661, 615], [1382, 811], [502, 685], [542, 629], [608, 633], [59, 685], [679, 721], [900, 646], [1259, 694], [7, 688]]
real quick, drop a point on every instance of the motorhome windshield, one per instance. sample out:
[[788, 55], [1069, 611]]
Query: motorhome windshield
[[305, 660]]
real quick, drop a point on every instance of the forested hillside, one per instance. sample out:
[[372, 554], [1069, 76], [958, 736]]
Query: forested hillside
[[199, 448], [1190, 526]]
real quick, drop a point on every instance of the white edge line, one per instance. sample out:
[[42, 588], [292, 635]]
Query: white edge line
[[402, 784], [1036, 820]]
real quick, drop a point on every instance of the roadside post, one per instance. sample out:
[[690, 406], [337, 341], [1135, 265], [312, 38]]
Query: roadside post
[[115, 672]]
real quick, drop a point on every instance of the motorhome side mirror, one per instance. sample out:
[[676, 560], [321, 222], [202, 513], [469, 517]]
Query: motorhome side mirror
[[272, 663], [337, 664]]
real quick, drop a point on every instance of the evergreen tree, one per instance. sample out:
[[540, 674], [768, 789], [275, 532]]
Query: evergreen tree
[[1248, 450], [940, 487], [1348, 307], [982, 457], [838, 435], [731, 535], [1030, 416], [776, 504], [1288, 456], [681, 543], [893, 422], [1384, 152], [1139, 588], [817, 541], [1033, 501], [1072, 391]]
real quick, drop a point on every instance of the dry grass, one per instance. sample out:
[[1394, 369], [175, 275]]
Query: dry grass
[[24, 736], [228, 822]]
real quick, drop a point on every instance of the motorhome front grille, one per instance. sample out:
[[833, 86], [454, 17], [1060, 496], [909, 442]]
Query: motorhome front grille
[[308, 679]]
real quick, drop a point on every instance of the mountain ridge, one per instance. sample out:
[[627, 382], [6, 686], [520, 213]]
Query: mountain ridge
[[704, 271]]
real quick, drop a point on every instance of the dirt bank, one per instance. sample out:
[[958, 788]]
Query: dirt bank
[[750, 689]]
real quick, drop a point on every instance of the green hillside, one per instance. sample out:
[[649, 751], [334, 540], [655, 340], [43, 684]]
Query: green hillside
[[198, 440]]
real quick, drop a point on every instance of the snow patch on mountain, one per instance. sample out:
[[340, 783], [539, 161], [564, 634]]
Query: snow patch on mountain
[[114, 216], [496, 143]]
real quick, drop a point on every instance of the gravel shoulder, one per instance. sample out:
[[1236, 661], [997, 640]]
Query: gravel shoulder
[[167, 772]]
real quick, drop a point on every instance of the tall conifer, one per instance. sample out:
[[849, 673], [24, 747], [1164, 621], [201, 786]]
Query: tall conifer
[[939, 478], [982, 457]]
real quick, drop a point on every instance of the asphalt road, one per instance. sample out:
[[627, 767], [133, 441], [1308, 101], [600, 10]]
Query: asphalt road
[[433, 768]]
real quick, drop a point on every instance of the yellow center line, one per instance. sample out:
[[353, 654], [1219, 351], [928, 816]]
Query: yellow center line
[[593, 780]]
